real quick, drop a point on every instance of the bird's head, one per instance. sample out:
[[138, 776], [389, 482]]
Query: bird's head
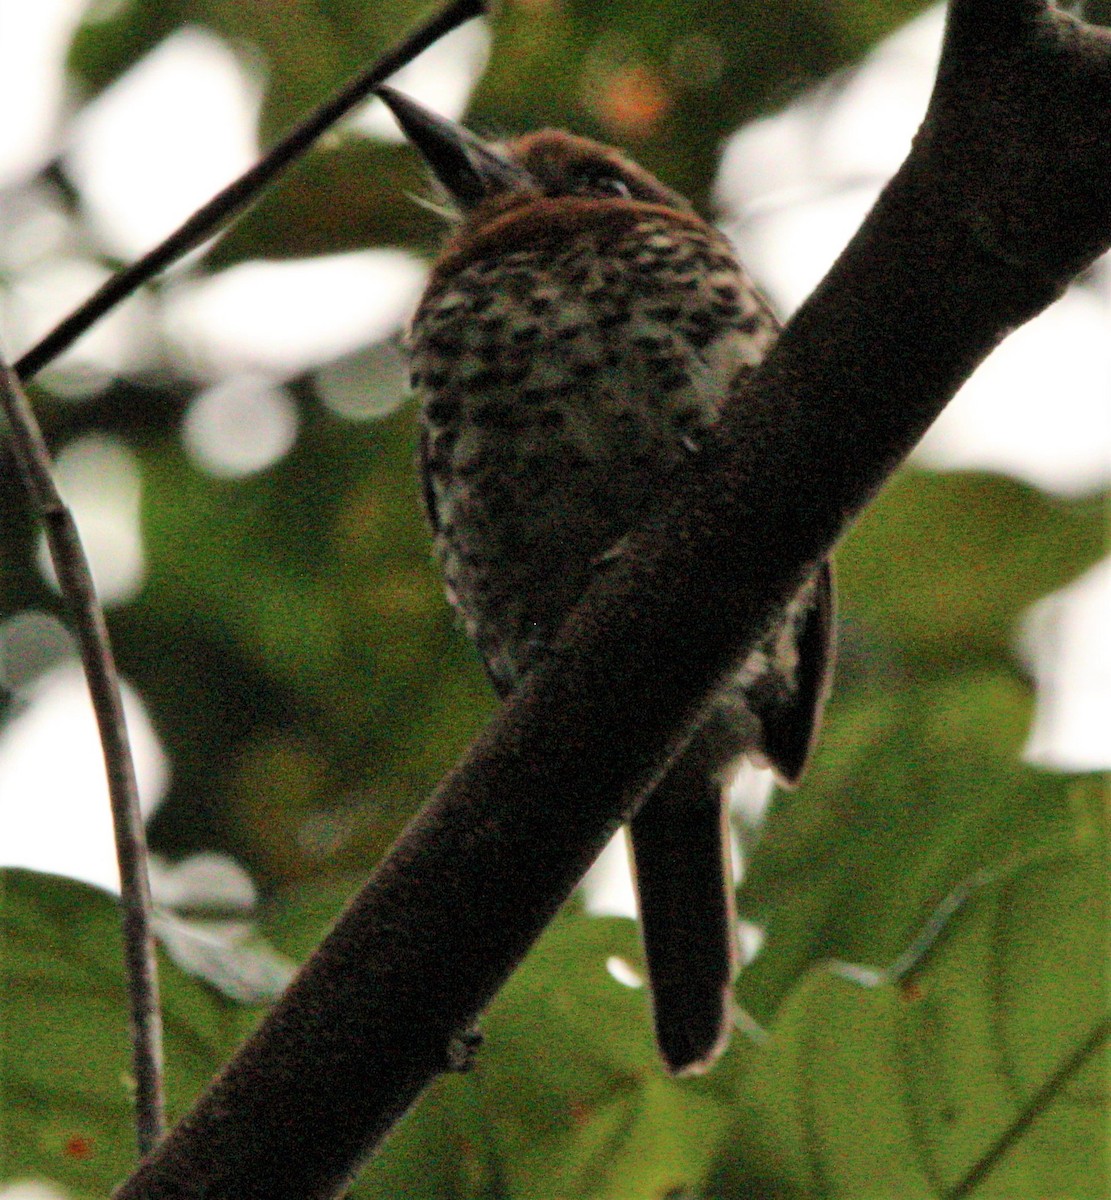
[[485, 180]]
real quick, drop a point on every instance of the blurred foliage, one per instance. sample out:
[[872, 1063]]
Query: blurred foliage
[[670, 89], [293, 647]]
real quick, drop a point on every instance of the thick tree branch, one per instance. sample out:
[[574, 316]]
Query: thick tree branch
[[1006, 194]]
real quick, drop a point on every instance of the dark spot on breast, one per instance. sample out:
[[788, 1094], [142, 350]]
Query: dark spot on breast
[[442, 410], [495, 414], [524, 334], [664, 362], [523, 287], [539, 304], [751, 323], [493, 325], [514, 374], [699, 319], [700, 336], [438, 343], [551, 419], [668, 313], [481, 380], [688, 418], [650, 342]]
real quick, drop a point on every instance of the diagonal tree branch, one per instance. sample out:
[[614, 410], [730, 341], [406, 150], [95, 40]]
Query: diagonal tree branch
[[76, 584], [1006, 194], [239, 195]]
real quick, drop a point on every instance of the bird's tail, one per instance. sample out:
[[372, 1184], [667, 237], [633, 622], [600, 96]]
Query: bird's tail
[[685, 889]]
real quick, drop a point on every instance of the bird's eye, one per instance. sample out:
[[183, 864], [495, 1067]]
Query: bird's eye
[[605, 185]]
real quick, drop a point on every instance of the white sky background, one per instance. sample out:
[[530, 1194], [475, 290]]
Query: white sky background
[[793, 187]]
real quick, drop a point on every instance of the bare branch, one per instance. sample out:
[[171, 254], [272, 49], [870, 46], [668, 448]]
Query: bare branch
[[1005, 195], [76, 584], [240, 195]]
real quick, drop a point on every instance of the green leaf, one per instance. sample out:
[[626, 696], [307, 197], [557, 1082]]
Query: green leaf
[[913, 792], [65, 1090], [102, 49], [943, 564], [900, 1089], [576, 1100], [439, 1151]]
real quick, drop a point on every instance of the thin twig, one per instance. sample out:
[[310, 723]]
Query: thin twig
[[75, 581], [1039, 1102], [237, 197]]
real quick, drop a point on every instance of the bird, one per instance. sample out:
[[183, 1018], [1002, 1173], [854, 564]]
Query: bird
[[578, 338]]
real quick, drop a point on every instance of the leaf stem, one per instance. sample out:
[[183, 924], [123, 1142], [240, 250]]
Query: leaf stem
[[1039, 1102]]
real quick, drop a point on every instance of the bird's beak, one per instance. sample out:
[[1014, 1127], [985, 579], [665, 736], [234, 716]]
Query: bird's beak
[[469, 169]]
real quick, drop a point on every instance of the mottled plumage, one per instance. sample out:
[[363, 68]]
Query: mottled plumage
[[578, 338]]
